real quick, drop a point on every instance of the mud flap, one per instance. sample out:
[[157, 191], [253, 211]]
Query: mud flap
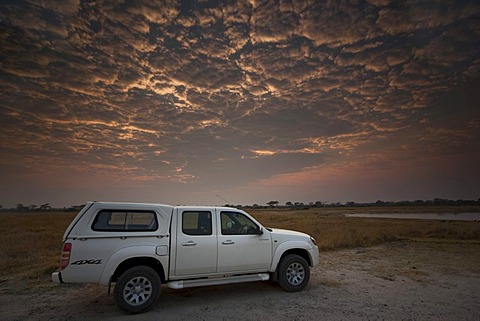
[[109, 287]]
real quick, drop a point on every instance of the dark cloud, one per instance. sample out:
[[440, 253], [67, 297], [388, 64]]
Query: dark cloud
[[167, 92], [410, 16]]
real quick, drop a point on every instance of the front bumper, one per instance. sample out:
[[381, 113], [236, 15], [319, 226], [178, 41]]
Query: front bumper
[[57, 277], [314, 255]]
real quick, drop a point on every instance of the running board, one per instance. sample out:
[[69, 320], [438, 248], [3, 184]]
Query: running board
[[218, 281]]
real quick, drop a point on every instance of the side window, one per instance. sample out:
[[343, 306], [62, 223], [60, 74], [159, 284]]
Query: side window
[[234, 223], [197, 223], [128, 221]]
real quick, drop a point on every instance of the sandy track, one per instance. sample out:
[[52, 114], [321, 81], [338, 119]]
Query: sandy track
[[394, 281]]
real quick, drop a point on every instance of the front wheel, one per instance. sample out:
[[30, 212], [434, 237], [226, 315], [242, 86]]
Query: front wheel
[[293, 273], [137, 289]]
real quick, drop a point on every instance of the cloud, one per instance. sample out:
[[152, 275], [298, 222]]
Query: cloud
[[176, 92], [273, 22], [337, 24], [412, 15]]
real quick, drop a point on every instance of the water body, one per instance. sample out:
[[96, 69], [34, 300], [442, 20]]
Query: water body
[[423, 216]]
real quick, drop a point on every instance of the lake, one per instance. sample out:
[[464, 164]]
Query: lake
[[423, 216]]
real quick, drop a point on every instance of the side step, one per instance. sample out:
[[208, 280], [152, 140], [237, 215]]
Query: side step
[[218, 281]]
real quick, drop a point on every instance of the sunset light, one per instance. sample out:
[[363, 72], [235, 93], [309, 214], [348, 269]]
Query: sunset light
[[178, 102]]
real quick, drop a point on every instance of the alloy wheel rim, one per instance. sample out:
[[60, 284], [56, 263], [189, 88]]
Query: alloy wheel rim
[[137, 291], [295, 274]]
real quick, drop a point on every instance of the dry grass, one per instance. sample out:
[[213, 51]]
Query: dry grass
[[30, 243], [333, 231]]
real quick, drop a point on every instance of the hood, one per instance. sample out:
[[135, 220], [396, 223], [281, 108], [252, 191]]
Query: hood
[[288, 234]]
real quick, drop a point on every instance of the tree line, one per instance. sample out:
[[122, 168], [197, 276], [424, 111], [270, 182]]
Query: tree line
[[46, 207], [316, 204]]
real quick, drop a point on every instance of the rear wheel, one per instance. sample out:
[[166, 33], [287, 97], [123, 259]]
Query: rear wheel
[[137, 289], [293, 273]]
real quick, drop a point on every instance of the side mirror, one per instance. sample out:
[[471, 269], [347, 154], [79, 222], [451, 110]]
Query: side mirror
[[259, 231]]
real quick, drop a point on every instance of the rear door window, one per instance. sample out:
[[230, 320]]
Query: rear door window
[[197, 223]]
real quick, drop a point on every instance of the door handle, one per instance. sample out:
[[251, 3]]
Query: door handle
[[228, 242], [189, 243]]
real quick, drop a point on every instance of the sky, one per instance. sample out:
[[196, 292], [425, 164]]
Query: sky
[[239, 102]]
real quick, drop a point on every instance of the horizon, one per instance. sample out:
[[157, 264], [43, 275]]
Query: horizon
[[442, 202], [248, 102]]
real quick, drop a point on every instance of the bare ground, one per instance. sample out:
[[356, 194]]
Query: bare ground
[[411, 280]]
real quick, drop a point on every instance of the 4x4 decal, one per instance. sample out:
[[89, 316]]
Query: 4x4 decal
[[82, 262]]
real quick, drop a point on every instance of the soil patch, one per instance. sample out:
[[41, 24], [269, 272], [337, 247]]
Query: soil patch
[[407, 280]]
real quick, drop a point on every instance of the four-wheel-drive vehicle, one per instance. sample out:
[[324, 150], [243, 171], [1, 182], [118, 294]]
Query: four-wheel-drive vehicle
[[141, 246]]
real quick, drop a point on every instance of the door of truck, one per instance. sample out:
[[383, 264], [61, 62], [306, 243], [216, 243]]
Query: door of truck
[[196, 248], [241, 247]]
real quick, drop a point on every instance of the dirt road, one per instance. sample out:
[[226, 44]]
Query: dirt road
[[395, 281]]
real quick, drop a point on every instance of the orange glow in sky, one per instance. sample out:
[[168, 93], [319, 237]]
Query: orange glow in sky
[[180, 101]]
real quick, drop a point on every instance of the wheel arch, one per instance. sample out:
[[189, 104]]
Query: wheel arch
[[131, 256], [298, 248], [151, 262], [300, 252]]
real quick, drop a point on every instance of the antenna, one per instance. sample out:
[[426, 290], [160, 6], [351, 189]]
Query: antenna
[[223, 199]]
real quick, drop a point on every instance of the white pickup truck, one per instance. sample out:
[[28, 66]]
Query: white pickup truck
[[141, 246]]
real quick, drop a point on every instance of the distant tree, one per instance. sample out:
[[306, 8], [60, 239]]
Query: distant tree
[[440, 201], [289, 204], [298, 204], [20, 207], [319, 204], [272, 203], [45, 207], [418, 202]]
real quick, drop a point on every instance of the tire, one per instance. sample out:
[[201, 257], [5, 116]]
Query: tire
[[137, 289], [293, 273]]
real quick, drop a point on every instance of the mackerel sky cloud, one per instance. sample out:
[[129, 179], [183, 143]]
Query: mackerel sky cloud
[[178, 102]]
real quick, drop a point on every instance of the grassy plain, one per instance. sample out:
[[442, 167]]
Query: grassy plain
[[333, 230], [30, 243]]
